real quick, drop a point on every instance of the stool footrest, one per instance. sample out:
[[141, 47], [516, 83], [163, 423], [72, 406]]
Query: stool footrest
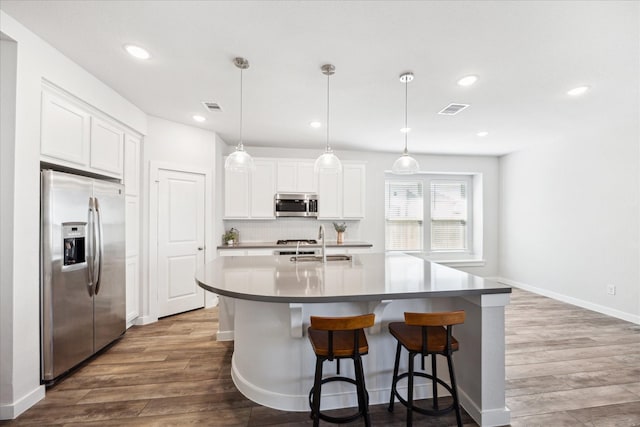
[[416, 408], [338, 420]]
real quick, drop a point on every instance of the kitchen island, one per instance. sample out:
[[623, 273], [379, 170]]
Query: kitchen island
[[273, 363]]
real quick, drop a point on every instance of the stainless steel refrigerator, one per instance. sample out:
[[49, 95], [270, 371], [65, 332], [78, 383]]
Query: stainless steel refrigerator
[[82, 271]]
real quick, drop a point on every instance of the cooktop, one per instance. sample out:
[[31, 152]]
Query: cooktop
[[301, 241]]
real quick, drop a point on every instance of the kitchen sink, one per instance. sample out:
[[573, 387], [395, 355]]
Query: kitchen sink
[[318, 258]]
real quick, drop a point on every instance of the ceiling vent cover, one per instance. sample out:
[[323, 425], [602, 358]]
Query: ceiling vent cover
[[453, 109], [214, 107]]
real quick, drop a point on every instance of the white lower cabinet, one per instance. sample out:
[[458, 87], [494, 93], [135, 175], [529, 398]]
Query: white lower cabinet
[[245, 252], [133, 289]]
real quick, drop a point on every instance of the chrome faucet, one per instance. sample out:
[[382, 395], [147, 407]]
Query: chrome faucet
[[324, 246]]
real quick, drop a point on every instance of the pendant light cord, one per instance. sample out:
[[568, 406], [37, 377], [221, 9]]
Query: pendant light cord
[[240, 144], [406, 128], [328, 148]]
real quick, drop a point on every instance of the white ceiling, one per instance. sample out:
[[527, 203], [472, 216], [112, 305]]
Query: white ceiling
[[526, 54]]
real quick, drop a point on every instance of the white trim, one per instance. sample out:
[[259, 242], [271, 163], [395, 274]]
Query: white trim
[[13, 410], [144, 320], [225, 336], [154, 168], [634, 318], [461, 262], [488, 418]]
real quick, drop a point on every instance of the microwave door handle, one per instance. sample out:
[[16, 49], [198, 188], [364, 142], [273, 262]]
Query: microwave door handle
[[99, 246]]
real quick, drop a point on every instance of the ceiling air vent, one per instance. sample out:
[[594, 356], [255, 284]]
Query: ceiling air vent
[[453, 109], [213, 107]]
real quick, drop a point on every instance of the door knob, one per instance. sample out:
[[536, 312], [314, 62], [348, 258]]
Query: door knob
[[200, 248]]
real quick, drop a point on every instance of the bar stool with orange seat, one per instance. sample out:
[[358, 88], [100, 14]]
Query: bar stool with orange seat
[[426, 334], [339, 338]]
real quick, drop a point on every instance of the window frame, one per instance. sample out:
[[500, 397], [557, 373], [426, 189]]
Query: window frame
[[426, 179]]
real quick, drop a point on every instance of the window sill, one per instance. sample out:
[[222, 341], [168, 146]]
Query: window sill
[[462, 262]]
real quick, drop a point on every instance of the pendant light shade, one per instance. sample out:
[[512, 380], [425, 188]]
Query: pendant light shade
[[328, 162], [405, 164], [240, 160]]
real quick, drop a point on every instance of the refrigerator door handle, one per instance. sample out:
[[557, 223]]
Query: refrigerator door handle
[[91, 247], [99, 246]]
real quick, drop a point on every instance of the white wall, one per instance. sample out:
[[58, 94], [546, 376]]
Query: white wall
[[570, 219], [36, 60], [173, 144], [8, 60], [371, 229]]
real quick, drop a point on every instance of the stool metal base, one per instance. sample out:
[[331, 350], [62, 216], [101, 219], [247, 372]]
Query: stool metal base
[[346, 418], [363, 395], [435, 411]]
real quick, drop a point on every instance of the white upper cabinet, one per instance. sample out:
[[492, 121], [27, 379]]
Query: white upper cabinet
[[329, 195], [236, 194], [353, 190], [131, 165], [263, 188], [76, 135], [250, 196], [65, 131], [296, 176], [342, 195], [106, 147]]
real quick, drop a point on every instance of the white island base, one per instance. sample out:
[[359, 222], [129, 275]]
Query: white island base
[[273, 363]]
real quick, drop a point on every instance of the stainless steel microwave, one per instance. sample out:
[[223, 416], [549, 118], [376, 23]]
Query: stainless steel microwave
[[296, 204]]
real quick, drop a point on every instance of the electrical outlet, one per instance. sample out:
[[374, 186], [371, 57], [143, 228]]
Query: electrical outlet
[[611, 289]]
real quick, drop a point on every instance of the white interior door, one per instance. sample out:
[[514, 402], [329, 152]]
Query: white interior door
[[181, 237]]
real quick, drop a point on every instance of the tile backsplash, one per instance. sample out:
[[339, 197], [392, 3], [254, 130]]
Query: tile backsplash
[[289, 228]]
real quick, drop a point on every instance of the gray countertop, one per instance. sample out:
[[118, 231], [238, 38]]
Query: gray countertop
[[367, 277], [274, 245]]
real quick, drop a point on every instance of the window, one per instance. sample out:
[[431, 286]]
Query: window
[[448, 215], [404, 207], [439, 223]]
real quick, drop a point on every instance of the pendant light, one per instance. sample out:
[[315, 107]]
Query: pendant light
[[240, 160], [405, 164], [328, 162]]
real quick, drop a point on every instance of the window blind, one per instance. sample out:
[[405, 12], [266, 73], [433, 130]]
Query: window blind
[[448, 215], [404, 215]]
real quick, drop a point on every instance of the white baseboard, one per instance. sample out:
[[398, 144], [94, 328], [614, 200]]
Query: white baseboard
[[145, 320], [633, 318], [13, 410], [225, 335]]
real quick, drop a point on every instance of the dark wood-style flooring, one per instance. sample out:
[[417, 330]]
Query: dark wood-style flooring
[[566, 366]]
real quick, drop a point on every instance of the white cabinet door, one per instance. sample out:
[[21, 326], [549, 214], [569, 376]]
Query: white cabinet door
[[263, 188], [353, 191], [306, 177], [131, 165], [287, 182], [133, 289], [236, 194], [296, 176], [329, 195], [106, 147], [65, 131]]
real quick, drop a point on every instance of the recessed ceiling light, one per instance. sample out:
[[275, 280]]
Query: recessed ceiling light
[[199, 118], [482, 133], [580, 90], [467, 80], [315, 125], [405, 130], [137, 51]]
